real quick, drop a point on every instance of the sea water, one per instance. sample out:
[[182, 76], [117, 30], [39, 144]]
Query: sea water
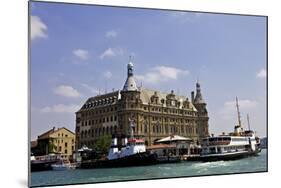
[[182, 169]]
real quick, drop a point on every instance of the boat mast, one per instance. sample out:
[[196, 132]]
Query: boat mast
[[238, 112], [248, 119]]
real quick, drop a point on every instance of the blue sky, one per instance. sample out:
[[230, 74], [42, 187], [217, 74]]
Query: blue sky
[[79, 51]]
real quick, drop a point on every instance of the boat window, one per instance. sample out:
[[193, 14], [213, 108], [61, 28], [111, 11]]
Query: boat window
[[227, 138]]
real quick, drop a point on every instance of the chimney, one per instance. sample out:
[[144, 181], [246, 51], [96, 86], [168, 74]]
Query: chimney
[[192, 96], [54, 128]]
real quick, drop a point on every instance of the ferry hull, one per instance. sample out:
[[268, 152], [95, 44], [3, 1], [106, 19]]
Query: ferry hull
[[228, 156], [139, 159]]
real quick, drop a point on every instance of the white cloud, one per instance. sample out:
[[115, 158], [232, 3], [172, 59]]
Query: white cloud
[[38, 28], [91, 89], [243, 104], [229, 108], [66, 91], [107, 74], [111, 34], [162, 73], [60, 108], [80, 53], [111, 52], [261, 73]]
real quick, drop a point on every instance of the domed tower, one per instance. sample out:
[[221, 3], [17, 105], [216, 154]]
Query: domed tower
[[130, 84], [202, 113], [129, 103]]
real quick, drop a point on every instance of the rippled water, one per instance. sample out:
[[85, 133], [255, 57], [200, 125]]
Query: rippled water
[[250, 164]]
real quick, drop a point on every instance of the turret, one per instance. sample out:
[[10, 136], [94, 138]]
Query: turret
[[198, 98], [202, 113], [130, 84]]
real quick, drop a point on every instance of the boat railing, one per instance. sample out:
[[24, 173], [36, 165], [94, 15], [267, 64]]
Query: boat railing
[[211, 143]]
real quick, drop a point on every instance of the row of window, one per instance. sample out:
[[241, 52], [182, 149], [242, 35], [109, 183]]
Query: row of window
[[213, 150], [65, 151], [165, 119], [62, 135], [98, 111], [61, 141], [172, 129], [153, 109], [168, 110], [98, 131], [100, 120]]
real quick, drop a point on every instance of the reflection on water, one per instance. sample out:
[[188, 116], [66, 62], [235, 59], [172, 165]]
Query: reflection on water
[[250, 164]]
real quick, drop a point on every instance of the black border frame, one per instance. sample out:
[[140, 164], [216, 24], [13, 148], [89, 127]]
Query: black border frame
[[144, 8]]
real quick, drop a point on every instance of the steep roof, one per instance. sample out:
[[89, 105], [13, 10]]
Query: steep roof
[[52, 131], [101, 100], [146, 95], [46, 134], [130, 84]]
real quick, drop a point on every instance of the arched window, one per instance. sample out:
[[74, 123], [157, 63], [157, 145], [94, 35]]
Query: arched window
[[100, 131], [145, 127]]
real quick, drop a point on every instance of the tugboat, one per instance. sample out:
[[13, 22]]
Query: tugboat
[[132, 153], [235, 145]]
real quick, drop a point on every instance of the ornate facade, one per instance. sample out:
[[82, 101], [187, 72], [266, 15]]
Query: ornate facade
[[156, 114]]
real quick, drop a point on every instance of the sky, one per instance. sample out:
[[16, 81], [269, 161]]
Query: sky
[[79, 51]]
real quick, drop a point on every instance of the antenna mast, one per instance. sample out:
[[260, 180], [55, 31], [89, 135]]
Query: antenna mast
[[248, 119], [238, 112]]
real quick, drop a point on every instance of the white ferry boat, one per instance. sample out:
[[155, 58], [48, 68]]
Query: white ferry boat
[[237, 144]]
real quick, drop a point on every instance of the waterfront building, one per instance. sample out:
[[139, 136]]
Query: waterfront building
[[60, 141], [155, 114]]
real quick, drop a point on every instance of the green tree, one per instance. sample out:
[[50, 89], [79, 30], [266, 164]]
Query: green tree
[[103, 144], [51, 147]]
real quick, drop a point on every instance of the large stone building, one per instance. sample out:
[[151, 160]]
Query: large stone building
[[60, 141], [155, 114]]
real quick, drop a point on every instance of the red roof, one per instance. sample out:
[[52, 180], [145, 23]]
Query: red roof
[[135, 140]]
